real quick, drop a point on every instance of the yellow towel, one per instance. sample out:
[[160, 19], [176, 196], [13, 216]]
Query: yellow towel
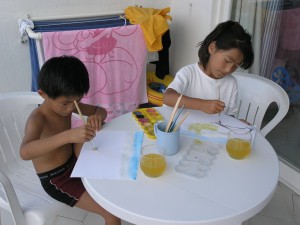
[[153, 23]]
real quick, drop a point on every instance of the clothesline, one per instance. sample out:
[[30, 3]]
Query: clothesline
[[38, 35], [77, 16]]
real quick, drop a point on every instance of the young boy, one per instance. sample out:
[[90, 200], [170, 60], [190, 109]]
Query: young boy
[[51, 143]]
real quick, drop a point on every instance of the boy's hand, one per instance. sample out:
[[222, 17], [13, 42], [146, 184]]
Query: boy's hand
[[212, 106], [81, 134], [95, 121]]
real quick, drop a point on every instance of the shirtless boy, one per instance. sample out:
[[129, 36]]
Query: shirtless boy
[[51, 143]]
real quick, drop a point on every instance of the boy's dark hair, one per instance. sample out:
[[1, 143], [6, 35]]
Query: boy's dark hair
[[228, 35], [64, 76]]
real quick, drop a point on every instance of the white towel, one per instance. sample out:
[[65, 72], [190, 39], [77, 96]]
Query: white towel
[[23, 24]]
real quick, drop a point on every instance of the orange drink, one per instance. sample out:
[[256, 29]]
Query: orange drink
[[238, 148], [238, 144], [152, 163]]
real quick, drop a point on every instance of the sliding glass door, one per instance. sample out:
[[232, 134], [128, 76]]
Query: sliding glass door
[[275, 29]]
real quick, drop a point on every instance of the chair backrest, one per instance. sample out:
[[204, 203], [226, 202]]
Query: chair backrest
[[255, 94], [14, 111]]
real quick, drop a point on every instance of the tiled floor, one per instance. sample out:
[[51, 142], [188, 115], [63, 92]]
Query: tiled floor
[[283, 209]]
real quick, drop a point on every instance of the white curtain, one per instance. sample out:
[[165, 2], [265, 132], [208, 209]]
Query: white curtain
[[262, 20]]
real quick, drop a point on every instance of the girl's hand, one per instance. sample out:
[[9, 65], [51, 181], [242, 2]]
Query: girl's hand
[[81, 134], [212, 106], [244, 121]]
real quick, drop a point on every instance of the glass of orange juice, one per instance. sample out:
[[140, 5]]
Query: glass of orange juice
[[152, 163], [238, 143]]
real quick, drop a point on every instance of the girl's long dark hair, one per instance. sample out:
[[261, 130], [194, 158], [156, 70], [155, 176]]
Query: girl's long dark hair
[[228, 35]]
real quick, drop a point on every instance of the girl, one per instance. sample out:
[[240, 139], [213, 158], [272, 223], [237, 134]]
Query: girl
[[208, 85]]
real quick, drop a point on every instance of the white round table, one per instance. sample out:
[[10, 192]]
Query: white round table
[[232, 192]]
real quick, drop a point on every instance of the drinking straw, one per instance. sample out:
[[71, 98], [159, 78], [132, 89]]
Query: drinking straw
[[175, 119], [173, 114], [83, 120], [181, 121]]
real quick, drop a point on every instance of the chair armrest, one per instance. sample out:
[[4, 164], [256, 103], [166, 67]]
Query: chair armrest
[[12, 199]]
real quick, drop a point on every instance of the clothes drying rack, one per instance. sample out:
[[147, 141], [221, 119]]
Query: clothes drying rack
[[38, 35]]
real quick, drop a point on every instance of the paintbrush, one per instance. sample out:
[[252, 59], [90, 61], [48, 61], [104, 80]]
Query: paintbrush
[[218, 94], [175, 119], [83, 120], [181, 121], [173, 114]]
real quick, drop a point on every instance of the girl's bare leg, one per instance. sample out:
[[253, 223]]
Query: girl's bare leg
[[88, 203]]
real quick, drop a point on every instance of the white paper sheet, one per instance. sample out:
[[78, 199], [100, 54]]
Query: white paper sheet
[[219, 135], [117, 156]]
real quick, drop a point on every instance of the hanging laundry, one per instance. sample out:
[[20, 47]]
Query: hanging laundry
[[35, 45], [115, 58], [153, 22], [162, 64]]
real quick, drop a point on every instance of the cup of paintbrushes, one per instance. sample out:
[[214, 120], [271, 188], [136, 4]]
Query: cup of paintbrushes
[[167, 142]]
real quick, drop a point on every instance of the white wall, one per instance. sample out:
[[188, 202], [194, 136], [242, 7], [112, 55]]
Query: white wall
[[192, 20]]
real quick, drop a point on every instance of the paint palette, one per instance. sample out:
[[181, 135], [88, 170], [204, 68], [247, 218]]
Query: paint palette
[[146, 118]]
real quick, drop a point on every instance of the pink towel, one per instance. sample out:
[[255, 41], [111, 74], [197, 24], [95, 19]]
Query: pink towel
[[116, 61]]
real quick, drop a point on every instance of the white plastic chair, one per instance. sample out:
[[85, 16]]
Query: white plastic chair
[[20, 190], [255, 94]]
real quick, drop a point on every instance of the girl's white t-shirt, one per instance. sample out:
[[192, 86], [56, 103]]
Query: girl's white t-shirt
[[191, 81]]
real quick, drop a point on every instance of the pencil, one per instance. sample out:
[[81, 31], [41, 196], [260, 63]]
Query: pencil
[[173, 114], [83, 120], [181, 121]]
